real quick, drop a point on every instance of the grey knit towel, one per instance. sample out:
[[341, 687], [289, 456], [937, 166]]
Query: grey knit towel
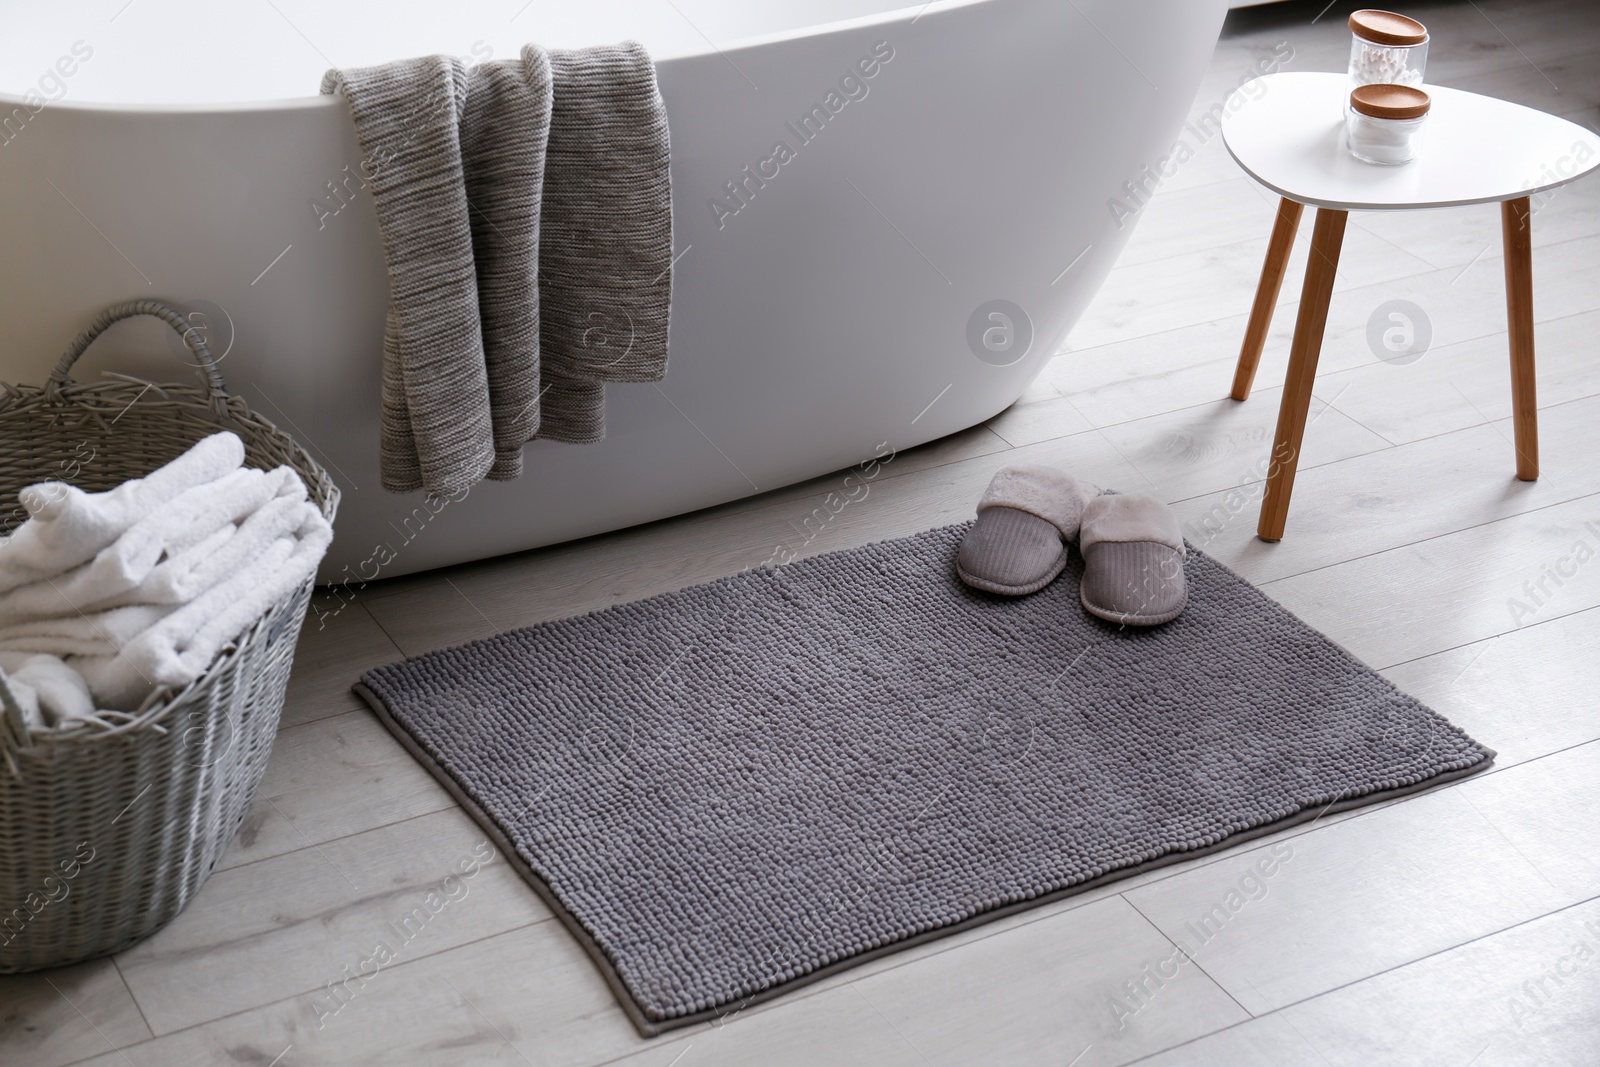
[[503, 137], [606, 242], [526, 213], [436, 421]]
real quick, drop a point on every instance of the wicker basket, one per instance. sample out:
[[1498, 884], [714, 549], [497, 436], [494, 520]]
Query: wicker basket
[[107, 829]]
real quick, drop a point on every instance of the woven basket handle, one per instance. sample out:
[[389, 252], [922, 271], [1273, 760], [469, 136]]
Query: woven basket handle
[[212, 377]]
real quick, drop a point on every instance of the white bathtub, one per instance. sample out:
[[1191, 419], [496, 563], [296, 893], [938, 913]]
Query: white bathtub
[[832, 313]]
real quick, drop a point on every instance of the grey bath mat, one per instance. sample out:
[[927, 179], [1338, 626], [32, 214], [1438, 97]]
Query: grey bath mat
[[736, 788]]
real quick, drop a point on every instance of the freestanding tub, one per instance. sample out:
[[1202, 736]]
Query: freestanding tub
[[933, 234]]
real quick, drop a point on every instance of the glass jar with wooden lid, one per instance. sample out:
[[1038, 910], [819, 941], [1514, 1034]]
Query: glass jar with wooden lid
[[1387, 49], [1384, 122]]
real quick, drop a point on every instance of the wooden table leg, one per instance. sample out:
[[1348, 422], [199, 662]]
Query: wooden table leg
[[1515, 227], [1327, 236], [1272, 271]]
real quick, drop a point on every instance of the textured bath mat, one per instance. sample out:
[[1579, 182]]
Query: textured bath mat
[[736, 788]]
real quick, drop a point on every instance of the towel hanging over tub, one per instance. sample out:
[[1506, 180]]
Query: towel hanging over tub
[[526, 213]]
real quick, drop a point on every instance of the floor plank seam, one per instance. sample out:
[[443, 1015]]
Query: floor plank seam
[[1293, 301], [1192, 957], [116, 966], [450, 806], [1367, 978], [1385, 438], [1111, 426], [1422, 541], [1322, 374], [1466, 796], [1406, 444], [1493, 637], [303, 992], [351, 712], [384, 630], [316, 718], [1227, 362]]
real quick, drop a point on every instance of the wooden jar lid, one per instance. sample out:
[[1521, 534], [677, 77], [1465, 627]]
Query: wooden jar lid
[[1390, 101], [1386, 27]]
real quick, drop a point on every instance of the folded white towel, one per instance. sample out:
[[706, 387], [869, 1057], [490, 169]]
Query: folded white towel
[[178, 580], [100, 633], [178, 646], [49, 692], [67, 526], [192, 568], [106, 597], [168, 556]]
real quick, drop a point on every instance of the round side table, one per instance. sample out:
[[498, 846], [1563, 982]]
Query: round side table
[[1474, 150]]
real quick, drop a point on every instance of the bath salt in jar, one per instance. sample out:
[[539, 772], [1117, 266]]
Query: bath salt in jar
[[1384, 122], [1386, 49]]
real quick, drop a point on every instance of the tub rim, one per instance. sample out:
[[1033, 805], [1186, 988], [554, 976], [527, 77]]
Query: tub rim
[[10, 101]]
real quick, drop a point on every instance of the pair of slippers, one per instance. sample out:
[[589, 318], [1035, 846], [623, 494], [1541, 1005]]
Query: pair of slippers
[[1029, 517]]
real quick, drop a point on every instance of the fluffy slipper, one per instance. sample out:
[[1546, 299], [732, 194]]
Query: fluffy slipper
[[1025, 520], [1132, 561]]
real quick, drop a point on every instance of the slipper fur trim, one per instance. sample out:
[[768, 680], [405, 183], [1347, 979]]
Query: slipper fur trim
[[1053, 495], [1130, 518]]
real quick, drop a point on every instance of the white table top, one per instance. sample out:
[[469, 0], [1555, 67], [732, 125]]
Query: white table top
[[1288, 133]]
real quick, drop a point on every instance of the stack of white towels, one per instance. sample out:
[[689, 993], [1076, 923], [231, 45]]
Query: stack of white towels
[[107, 597]]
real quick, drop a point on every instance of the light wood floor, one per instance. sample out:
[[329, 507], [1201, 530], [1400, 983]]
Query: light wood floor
[[1459, 927]]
